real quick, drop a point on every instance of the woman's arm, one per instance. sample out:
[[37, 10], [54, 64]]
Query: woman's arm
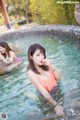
[[3, 59], [57, 74], [34, 79], [10, 59]]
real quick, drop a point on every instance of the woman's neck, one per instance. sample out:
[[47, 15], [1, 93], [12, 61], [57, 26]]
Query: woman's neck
[[37, 66]]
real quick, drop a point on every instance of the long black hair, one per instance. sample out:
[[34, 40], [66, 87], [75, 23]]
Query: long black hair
[[31, 51]]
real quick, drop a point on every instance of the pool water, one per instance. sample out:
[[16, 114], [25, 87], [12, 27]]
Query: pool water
[[17, 94]]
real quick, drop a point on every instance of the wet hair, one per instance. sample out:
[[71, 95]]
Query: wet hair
[[31, 51], [6, 46]]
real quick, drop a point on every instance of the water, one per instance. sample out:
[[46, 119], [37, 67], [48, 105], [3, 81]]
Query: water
[[17, 94]]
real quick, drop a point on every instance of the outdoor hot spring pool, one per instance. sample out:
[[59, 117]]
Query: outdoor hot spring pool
[[17, 94]]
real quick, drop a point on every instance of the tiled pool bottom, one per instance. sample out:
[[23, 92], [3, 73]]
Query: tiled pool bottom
[[18, 98]]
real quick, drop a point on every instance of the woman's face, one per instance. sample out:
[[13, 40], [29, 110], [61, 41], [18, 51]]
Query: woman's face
[[38, 57], [2, 49]]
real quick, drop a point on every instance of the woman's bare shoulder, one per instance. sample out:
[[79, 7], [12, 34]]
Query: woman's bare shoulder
[[32, 75], [11, 52]]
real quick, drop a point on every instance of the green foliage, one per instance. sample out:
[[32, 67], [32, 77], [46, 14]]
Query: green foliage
[[17, 7], [1, 19], [12, 18], [50, 12], [43, 11]]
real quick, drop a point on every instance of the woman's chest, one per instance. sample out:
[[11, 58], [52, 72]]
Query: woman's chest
[[44, 76]]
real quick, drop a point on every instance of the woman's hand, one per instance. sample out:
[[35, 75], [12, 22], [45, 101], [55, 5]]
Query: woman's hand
[[59, 110], [46, 62], [57, 74], [50, 65]]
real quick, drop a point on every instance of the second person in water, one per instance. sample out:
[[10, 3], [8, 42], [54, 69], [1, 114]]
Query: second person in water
[[7, 55]]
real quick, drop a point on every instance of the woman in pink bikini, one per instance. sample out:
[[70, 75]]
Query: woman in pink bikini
[[44, 76]]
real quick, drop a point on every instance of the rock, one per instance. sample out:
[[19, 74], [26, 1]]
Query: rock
[[72, 105], [77, 13]]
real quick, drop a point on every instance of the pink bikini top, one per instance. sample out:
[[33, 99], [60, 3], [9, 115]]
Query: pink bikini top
[[50, 83]]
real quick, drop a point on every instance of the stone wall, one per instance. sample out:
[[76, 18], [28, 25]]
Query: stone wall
[[67, 30]]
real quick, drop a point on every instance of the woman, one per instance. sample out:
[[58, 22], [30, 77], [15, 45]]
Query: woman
[[7, 55], [43, 75]]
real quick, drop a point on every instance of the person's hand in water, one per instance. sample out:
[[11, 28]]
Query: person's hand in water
[[59, 110]]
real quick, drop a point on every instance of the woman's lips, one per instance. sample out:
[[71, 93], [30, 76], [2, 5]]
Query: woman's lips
[[42, 62]]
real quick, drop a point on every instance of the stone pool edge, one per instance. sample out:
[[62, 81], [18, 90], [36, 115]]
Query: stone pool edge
[[68, 30]]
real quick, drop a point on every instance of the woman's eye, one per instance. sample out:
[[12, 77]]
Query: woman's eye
[[40, 54], [37, 55]]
